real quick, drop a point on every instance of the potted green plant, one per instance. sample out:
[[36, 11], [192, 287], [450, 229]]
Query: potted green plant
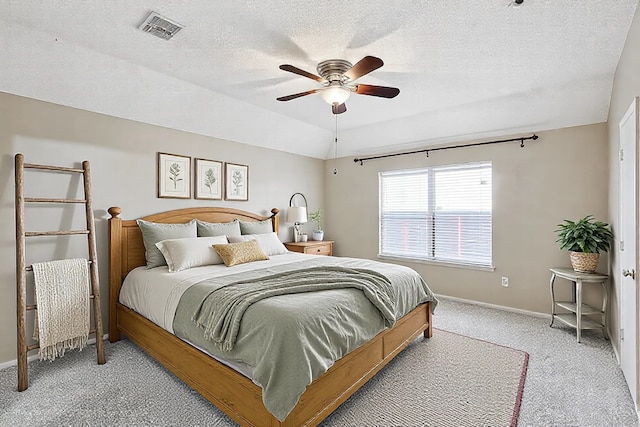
[[316, 216], [585, 239]]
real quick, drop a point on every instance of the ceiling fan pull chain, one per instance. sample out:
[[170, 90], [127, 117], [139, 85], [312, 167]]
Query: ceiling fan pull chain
[[335, 155]]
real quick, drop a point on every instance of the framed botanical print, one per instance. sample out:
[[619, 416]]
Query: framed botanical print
[[236, 182], [208, 179], [174, 176]]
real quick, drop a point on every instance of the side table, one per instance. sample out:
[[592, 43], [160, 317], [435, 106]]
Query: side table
[[313, 247], [578, 315]]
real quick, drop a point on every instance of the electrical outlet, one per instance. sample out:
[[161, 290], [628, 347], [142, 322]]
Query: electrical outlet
[[505, 282]]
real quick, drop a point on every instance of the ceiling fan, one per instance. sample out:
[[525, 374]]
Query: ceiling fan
[[337, 77]]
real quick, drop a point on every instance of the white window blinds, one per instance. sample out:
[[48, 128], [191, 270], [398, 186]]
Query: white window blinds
[[441, 213]]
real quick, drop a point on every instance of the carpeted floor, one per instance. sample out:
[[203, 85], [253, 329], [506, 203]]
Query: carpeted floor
[[567, 384]]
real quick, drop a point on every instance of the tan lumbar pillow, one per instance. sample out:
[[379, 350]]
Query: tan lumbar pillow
[[240, 253]]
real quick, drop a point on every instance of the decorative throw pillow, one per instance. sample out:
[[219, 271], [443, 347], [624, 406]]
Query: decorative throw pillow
[[256, 227], [181, 254], [269, 242], [209, 229], [153, 232], [240, 253]]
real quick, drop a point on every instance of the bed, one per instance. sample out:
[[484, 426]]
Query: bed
[[231, 390]]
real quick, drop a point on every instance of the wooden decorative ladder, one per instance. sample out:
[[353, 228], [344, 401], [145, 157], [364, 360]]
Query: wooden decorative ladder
[[21, 268]]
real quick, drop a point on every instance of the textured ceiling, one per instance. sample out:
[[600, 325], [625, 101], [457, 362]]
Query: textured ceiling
[[466, 69]]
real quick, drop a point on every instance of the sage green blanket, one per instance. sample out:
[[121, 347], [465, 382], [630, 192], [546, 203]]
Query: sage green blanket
[[221, 311], [290, 340]]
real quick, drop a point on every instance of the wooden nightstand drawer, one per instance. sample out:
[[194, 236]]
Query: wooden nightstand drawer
[[324, 247]]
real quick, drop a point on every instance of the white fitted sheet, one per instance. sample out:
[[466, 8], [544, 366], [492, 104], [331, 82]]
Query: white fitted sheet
[[155, 293]]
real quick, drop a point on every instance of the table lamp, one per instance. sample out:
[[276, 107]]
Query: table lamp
[[297, 215]]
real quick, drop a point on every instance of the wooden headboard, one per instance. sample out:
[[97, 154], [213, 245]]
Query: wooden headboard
[[126, 249]]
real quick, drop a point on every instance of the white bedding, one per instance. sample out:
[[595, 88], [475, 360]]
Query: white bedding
[[155, 293]]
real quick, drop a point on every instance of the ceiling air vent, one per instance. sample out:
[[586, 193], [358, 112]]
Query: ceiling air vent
[[160, 26]]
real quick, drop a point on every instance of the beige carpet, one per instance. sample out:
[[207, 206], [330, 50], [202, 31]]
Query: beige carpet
[[449, 380]]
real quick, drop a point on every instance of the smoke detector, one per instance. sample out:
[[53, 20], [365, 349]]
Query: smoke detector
[[160, 26]]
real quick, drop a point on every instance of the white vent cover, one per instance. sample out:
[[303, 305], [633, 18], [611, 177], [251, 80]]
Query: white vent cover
[[160, 26]]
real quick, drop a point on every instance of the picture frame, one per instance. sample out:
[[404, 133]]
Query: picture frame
[[207, 181], [236, 182], [174, 176]]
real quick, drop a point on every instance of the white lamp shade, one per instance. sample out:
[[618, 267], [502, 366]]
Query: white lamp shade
[[296, 214], [335, 94]]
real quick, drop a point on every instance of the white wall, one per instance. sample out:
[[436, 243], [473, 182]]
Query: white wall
[[122, 154]]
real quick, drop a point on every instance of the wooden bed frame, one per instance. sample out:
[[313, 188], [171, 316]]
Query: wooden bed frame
[[232, 392]]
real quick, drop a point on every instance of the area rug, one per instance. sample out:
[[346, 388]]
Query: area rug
[[448, 380]]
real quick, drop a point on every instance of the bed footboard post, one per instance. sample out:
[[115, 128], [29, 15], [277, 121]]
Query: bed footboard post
[[115, 270], [428, 333]]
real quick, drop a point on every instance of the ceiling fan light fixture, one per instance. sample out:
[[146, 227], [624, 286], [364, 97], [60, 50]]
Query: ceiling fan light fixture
[[337, 77], [335, 94]]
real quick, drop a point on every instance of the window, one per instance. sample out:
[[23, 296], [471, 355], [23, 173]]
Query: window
[[441, 213]]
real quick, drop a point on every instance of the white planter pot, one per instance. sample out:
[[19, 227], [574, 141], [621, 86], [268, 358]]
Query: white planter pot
[[317, 235]]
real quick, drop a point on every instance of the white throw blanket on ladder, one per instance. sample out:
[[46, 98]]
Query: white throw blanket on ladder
[[62, 296]]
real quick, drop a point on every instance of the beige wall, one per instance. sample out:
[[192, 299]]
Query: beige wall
[[123, 164], [561, 175], [626, 86]]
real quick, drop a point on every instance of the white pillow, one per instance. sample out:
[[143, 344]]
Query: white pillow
[[269, 242], [181, 254]]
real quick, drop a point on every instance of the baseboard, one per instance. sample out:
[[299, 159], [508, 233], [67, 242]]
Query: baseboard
[[616, 352], [494, 306], [14, 362]]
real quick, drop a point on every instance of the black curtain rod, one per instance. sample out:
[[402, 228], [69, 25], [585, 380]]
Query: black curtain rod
[[427, 150]]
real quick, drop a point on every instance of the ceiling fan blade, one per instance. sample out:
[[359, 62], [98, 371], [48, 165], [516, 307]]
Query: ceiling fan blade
[[298, 71], [381, 91], [364, 66], [339, 108], [296, 95]]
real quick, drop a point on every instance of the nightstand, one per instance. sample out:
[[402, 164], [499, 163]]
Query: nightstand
[[312, 247]]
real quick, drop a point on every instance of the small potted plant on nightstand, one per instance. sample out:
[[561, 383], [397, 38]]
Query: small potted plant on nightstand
[[585, 239], [316, 216]]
